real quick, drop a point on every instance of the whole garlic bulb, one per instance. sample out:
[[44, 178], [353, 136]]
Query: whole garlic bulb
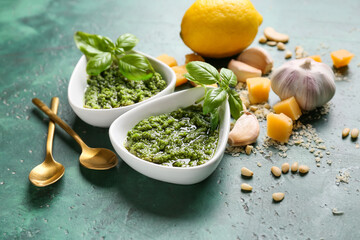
[[310, 82]]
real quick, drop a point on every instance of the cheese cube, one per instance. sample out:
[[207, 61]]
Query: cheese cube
[[258, 89], [279, 127], [193, 57], [179, 72], [341, 58], [289, 107], [316, 58], [168, 60]]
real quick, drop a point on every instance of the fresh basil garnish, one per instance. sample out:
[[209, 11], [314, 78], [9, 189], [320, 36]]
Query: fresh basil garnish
[[101, 53], [135, 67], [204, 74], [98, 63], [127, 41]]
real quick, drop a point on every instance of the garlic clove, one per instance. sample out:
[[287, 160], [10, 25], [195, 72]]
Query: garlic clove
[[311, 83], [257, 57], [246, 130], [243, 71]]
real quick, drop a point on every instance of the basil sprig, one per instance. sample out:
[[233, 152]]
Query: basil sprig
[[204, 74], [101, 53]]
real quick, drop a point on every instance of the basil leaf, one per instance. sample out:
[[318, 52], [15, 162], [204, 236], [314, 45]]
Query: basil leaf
[[119, 51], [127, 41], [203, 72], [213, 99], [135, 67], [214, 119], [235, 103], [98, 63], [91, 44], [228, 77], [190, 78]]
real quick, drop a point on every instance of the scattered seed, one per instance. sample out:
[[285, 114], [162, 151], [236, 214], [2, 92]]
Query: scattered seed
[[345, 132], [354, 133], [294, 167], [271, 43], [246, 187], [288, 54], [276, 171], [262, 39], [259, 164], [278, 196], [337, 212], [253, 108], [280, 46], [246, 172], [248, 149], [285, 167], [304, 169]]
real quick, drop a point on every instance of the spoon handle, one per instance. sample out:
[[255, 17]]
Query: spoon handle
[[58, 120], [51, 130]]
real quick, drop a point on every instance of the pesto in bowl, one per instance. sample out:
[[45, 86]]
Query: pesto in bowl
[[181, 138], [110, 89]]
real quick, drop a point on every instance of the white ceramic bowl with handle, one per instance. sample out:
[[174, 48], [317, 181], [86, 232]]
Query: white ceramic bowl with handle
[[178, 175], [104, 117]]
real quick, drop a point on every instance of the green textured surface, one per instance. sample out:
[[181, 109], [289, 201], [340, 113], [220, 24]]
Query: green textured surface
[[37, 57]]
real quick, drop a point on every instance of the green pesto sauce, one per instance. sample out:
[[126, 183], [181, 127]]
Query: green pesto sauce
[[182, 138], [110, 89]]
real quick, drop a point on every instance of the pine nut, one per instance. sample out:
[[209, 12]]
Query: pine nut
[[271, 43], [285, 167], [278, 196], [354, 133], [246, 187], [280, 46], [248, 149], [262, 39], [288, 54], [246, 172], [345, 132], [294, 167], [303, 169], [276, 171]]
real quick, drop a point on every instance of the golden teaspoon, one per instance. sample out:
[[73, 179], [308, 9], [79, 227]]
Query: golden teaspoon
[[92, 158], [49, 171]]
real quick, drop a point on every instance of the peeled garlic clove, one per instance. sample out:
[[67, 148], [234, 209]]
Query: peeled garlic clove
[[258, 58], [245, 131], [273, 35], [243, 71], [311, 83]]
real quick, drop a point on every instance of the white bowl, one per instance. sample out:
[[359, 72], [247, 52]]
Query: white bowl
[[189, 175], [104, 117]]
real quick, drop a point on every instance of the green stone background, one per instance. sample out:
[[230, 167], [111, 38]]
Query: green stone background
[[37, 57]]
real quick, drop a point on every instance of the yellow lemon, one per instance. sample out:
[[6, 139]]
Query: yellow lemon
[[220, 28]]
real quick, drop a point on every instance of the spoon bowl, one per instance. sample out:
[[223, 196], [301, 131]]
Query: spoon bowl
[[98, 158], [46, 173], [49, 171]]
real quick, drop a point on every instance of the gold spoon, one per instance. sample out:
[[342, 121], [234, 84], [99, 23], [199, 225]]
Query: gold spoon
[[92, 158], [49, 171]]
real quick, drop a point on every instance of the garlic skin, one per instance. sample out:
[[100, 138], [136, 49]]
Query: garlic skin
[[311, 83], [245, 131]]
